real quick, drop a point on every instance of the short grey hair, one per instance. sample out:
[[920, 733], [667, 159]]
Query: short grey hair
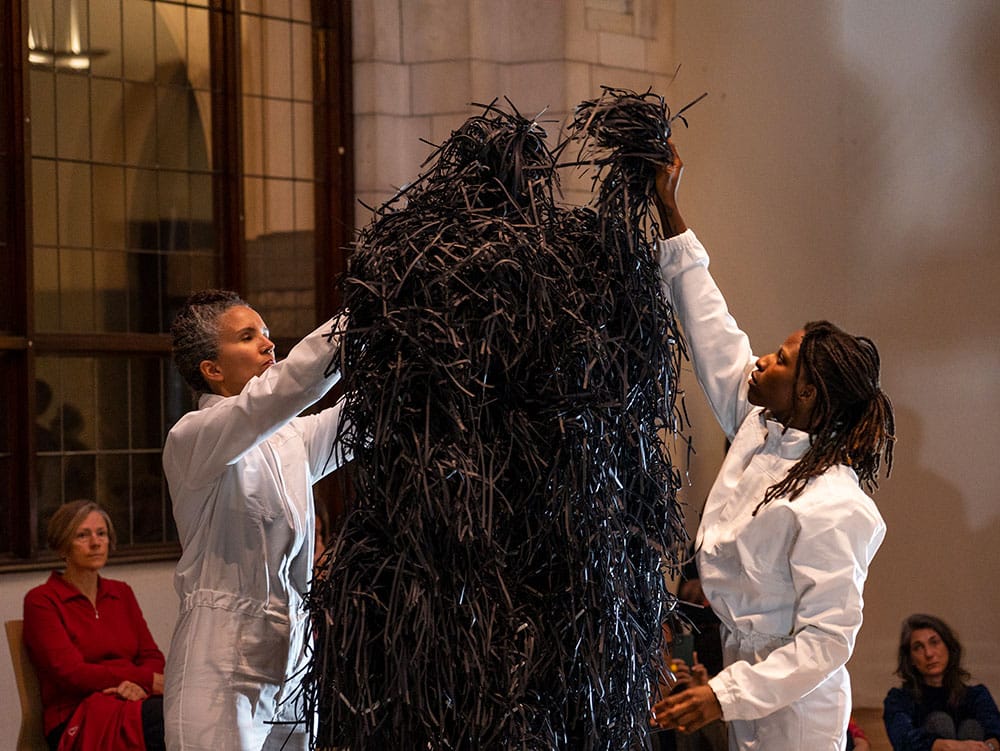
[[195, 332]]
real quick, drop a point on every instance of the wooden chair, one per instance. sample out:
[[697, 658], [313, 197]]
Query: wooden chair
[[31, 736]]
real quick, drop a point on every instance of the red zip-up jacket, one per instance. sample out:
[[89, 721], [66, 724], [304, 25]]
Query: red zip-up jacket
[[79, 649]]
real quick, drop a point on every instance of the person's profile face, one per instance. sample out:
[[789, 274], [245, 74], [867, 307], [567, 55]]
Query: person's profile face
[[772, 381], [245, 351]]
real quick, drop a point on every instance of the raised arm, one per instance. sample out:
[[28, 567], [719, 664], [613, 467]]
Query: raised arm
[[204, 442], [720, 351], [668, 181]]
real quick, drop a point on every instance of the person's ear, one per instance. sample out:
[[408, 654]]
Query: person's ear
[[211, 372], [806, 399]]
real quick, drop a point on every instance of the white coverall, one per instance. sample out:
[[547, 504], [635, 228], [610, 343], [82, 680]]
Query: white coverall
[[787, 583], [240, 471]]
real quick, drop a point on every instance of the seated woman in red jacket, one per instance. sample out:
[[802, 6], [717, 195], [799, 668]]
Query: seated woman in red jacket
[[100, 672]]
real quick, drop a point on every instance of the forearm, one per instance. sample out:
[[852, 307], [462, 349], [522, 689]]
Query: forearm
[[205, 442], [671, 221], [720, 351]]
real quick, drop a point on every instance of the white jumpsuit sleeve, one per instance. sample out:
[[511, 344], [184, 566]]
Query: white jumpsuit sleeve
[[204, 442], [720, 351], [320, 433]]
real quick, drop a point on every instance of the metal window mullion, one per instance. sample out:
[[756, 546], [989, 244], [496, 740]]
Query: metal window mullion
[[227, 141], [16, 266]]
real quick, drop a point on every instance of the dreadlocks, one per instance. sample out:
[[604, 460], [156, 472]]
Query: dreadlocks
[[852, 421]]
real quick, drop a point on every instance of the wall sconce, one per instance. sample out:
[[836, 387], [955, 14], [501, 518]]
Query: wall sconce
[[48, 19]]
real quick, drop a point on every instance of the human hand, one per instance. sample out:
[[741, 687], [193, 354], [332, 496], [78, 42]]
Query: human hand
[[699, 673], [861, 744], [157, 683], [128, 691], [684, 674], [687, 711], [680, 671], [668, 179]]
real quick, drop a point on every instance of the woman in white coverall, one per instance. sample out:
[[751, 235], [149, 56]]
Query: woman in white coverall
[[787, 534], [240, 470]]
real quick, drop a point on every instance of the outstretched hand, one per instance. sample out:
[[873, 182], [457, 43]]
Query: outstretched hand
[[668, 179]]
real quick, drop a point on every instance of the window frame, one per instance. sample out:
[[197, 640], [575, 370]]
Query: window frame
[[20, 344]]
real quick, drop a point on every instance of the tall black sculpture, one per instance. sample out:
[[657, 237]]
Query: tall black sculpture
[[510, 370]]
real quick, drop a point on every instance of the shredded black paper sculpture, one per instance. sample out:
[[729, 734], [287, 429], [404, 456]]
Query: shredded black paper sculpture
[[510, 369]]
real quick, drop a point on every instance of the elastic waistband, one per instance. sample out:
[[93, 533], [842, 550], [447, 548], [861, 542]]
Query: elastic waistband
[[209, 598]]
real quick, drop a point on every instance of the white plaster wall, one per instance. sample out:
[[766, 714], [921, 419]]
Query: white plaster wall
[[845, 166]]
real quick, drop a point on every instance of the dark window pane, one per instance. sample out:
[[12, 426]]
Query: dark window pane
[[46, 289], [74, 201], [114, 483], [149, 501], [43, 113], [137, 18], [79, 477], [109, 208], [174, 106], [105, 35], [146, 391], [112, 395], [72, 116], [75, 420], [107, 114], [50, 496]]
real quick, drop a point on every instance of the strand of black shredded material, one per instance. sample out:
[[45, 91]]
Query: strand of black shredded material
[[510, 369]]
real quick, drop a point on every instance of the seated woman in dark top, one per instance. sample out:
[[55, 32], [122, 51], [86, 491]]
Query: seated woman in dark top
[[936, 709], [100, 672]]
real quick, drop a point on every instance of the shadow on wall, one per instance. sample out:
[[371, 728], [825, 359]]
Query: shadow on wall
[[932, 560]]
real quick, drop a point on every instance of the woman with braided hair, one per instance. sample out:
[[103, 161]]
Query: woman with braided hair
[[788, 532]]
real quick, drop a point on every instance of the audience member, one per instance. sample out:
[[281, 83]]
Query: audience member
[[936, 709], [99, 669]]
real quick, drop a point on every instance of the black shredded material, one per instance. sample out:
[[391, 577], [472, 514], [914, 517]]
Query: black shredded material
[[510, 374]]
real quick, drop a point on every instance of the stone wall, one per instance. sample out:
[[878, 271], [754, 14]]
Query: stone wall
[[419, 63]]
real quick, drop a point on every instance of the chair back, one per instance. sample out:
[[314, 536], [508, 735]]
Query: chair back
[[31, 736]]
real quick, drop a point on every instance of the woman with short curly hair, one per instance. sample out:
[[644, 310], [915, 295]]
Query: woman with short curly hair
[[240, 469]]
